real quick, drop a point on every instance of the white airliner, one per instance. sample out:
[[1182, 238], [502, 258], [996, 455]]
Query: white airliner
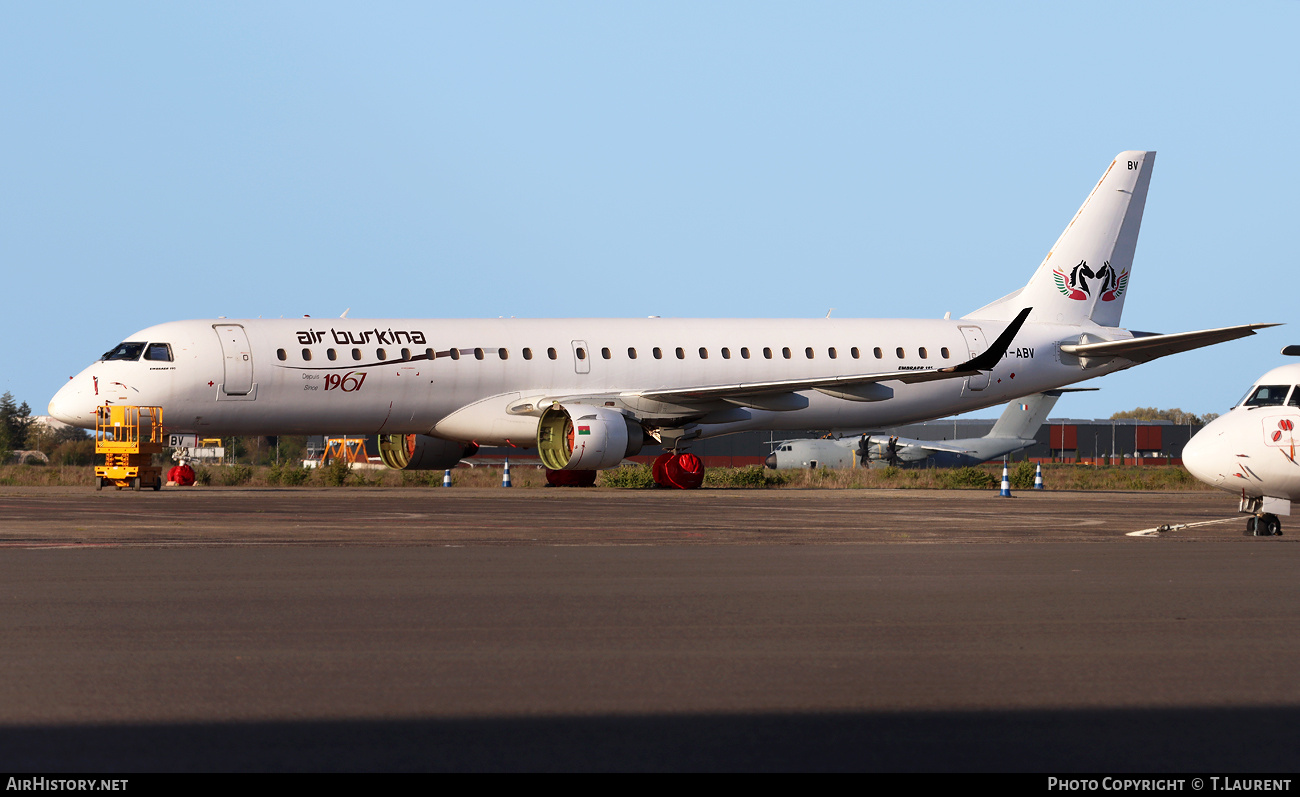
[[1013, 431], [588, 392], [1251, 450]]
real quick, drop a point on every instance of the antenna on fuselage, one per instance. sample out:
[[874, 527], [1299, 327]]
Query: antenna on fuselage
[[345, 313]]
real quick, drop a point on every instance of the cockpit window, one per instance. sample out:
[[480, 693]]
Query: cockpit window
[[124, 351], [1295, 397], [161, 352], [1267, 396]]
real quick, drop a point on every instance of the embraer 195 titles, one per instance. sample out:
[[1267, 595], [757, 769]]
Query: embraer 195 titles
[[589, 392]]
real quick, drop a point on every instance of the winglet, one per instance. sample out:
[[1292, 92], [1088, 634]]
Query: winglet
[[993, 354]]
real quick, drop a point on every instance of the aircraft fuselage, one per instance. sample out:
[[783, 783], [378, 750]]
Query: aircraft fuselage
[[460, 379]]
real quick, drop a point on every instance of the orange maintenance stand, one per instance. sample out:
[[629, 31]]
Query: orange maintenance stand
[[128, 437]]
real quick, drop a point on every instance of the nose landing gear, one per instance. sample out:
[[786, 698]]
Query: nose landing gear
[[1265, 525]]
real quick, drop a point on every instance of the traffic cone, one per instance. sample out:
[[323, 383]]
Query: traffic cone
[[1006, 483], [505, 475], [446, 478], [1038, 477]]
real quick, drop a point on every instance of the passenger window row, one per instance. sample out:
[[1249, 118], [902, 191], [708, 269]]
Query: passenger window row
[[356, 354], [725, 352], [581, 353]]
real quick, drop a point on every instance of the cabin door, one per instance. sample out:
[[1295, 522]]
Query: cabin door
[[581, 357], [237, 357], [975, 345]]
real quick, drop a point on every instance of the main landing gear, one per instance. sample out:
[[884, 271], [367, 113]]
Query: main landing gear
[[678, 471], [682, 471], [1265, 525], [570, 478]]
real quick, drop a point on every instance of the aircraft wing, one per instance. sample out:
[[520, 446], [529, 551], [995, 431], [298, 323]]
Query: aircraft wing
[[930, 445], [844, 384], [1146, 347], [980, 448]]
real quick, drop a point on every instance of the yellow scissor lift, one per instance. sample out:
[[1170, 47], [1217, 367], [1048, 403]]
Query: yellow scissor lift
[[128, 437]]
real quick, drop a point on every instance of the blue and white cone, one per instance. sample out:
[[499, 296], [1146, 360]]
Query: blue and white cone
[[1006, 483], [1038, 477], [505, 475], [446, 478]]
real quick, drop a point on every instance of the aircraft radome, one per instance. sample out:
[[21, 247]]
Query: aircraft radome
[[1251, 449], [1013, 431], [589, 392]]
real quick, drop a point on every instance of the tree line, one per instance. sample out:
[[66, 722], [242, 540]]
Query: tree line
[[19, 431], [1174, 415]]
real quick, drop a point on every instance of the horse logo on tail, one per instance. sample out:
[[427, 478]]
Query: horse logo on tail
[[1075, 285], [1113, 285]]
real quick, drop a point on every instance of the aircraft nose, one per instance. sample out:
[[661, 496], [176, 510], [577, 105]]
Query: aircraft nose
[[74, 405], [1204, 454], [770, 461]]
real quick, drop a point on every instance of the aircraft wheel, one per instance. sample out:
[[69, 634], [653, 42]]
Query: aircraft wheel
[[682, 471], [1263, 526], [687, 472], [570, 478], [657, 469]]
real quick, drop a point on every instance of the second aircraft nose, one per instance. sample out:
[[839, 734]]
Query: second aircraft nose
[[1203, 454]]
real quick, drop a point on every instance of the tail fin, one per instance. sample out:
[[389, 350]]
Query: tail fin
[[1085, 276], [1023, 416]]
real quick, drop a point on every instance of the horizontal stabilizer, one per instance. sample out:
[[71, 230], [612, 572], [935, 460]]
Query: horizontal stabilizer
[[1148, 347]]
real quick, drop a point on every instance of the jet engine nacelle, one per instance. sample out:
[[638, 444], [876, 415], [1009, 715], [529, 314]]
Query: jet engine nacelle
[[422, 452], [586, 438]]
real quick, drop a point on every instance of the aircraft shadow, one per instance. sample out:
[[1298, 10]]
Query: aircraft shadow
[[1203, 740]]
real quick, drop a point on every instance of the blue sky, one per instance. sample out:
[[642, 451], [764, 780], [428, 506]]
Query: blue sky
[[186, 160]]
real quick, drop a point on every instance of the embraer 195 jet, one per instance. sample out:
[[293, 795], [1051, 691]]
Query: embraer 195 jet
[[589, 392]]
